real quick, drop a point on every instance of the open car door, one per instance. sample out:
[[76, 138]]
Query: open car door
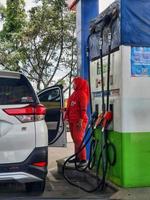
[[52, 99]]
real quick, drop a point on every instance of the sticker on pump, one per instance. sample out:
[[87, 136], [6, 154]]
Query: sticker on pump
[[140, 62]]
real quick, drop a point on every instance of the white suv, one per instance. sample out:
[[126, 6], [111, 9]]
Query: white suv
[[24, 135]]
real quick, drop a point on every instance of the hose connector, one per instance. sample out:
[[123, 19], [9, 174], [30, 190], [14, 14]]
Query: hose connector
[[108, 116], [104, 120]]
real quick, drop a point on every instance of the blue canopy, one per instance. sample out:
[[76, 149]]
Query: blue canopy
[[132, 27], [135, 22]]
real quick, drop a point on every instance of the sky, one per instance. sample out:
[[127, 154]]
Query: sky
[[104, 4]]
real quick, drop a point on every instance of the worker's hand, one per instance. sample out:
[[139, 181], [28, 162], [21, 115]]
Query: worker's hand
[[66, 123], [65, 116], [66, 120], [79, 124], [62, 109]]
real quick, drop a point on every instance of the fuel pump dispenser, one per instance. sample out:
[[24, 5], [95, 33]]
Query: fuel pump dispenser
[[119, 59], [127, 95]]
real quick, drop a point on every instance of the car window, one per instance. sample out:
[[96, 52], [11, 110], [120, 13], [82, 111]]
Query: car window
[[51, 99], [53, 95], [16, 91]]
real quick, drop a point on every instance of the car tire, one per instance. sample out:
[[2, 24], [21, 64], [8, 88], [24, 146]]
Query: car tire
[[37, 187]]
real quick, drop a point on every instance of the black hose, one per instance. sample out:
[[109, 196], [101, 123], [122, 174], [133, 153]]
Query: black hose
[[103, 157], [111, 148], [83, 144], [89, 70], [92, 156], [102, 83], [113, 18], [100, 180], [69, 181], [108, 73]]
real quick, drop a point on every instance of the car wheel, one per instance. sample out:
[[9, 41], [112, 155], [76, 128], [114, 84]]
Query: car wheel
[[35, 186]]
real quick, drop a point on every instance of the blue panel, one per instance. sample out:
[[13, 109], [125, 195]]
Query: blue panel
[[135, 26], [86, 11], [78, 28], [89, 10]]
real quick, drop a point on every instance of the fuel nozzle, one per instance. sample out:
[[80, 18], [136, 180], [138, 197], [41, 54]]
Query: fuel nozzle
[[107, 118], [99, 120], [104, 120]]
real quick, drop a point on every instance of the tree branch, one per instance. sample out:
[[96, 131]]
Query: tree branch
[[61, 47], [62, 78], [37, 55]]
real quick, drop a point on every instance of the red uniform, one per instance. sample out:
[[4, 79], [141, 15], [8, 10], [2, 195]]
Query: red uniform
[[76, 113]]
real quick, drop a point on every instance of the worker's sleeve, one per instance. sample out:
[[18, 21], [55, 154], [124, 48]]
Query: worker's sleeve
[[83, 101]]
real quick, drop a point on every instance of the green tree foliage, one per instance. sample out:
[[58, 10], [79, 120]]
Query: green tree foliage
[[14, 22], [44, 45], [15, 19]]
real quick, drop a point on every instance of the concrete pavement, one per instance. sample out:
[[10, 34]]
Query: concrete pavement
[[132, 194], [59, 153]]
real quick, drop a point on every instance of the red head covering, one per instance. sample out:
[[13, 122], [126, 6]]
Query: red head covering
[[81, 84]]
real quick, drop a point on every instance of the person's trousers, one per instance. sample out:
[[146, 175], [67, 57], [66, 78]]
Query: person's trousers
[[77, 136]]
